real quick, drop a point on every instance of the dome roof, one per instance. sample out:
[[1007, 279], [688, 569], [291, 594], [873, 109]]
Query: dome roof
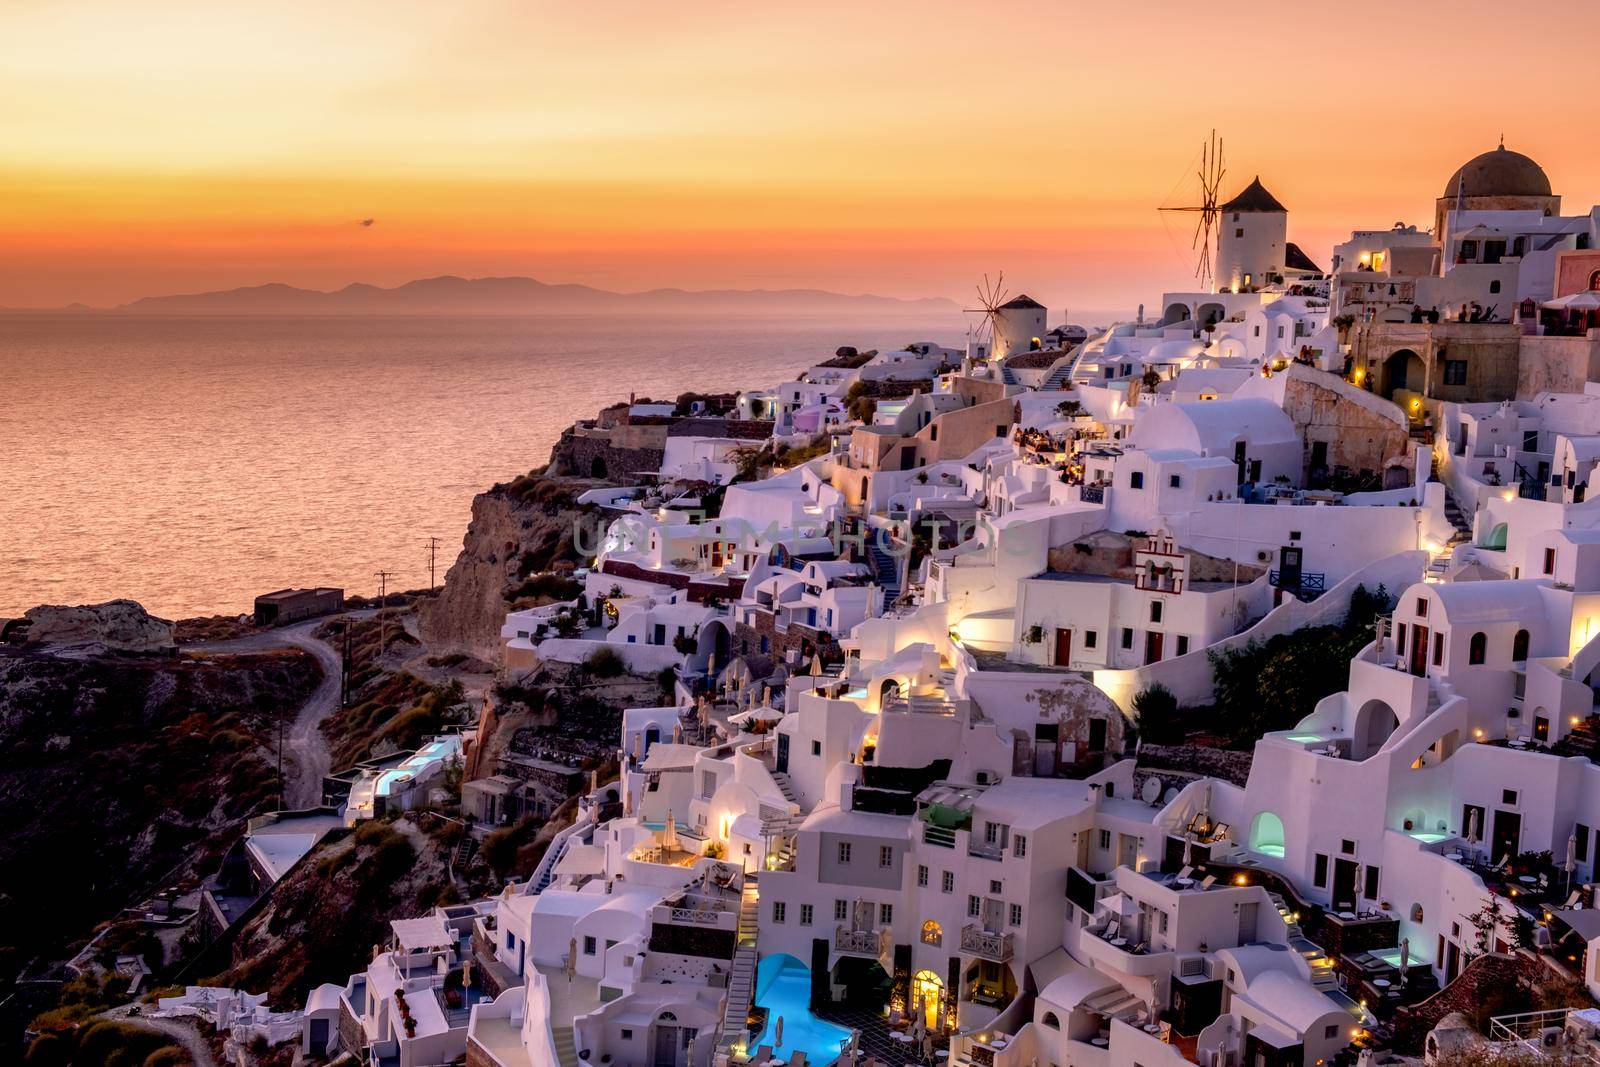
[[1499, 172], [1255, 197]]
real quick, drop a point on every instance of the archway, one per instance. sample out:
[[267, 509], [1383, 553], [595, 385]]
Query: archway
[[1266, 835], [597, 467], [932, 933], [1210, 315], [1404, 369], [927, 993], [889, 691], [1497, 537], [1175, 314], [1374, 723]]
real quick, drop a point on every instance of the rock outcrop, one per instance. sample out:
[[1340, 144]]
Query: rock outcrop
[[115, 626], [519, 529]]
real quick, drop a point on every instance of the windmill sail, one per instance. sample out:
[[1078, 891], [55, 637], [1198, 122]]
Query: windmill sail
[[1210, 172]]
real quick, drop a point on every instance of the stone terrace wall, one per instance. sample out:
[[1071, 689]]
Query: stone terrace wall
[[1222, 763]]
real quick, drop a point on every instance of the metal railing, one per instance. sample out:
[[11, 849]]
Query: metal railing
[[860, 942]]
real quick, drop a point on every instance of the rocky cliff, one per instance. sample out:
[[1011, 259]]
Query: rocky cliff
[[124, 775], [117, 625], [519, 531]]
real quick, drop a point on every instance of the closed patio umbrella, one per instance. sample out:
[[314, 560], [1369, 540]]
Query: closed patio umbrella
[[669, 833], [1405, 958], [571, 966], [777, 1033]]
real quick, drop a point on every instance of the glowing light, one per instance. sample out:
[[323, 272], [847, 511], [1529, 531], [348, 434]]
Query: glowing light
[[1240, 879]]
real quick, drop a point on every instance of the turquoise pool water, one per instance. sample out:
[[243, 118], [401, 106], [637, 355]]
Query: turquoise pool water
[[1306, 739], [1428, 837], [1391, 956], [783, 988]]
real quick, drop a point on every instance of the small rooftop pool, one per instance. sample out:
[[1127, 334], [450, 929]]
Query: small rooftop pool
[[783, 988], [1391, 956]]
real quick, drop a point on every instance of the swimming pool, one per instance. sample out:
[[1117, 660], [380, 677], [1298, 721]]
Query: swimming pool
[[1391, 956], [1428, 837], [783, 988]]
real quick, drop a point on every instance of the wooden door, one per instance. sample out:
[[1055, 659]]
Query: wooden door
[[1419, 650], [1152, 646], [1063, 648]]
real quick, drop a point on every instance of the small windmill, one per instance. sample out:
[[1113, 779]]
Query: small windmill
[[990, 299], [1210, 172]]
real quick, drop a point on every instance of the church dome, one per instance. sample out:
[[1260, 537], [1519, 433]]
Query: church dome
[[1499, 172]]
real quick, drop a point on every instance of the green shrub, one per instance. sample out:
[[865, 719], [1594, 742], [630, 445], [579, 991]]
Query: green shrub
[[605, 663], [1156, 712]]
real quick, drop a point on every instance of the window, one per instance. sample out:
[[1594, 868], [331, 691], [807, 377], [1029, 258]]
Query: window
[[974, 906], [1091, 638], [1319, 871], [999, 431], [995, 887], [1494, 286], [627, 1034], [1581, 846], [588, 946], [1183, 644], [1155, 611], [1477, 647], [1105, 838], [922, 876], [1438, 649], [841, 911], [1330, 1031], [947, 882], [885, 856], [511, 941], [1019, 846], [1174, 481], [844, 852], [805, 914], [1422, 607], [1455, 372], [1238, 231], [778, 910], [1549, 561], [1508, 796], [1347, 846], [1127, 637], [1136, 480], [1294, 535], [932, 933], [1372, 882], [886, 914], [991, 832], [816, 748], [1016, 915], [1519, 646]]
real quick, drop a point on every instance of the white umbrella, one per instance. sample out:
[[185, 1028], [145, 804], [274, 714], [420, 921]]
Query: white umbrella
[[677, 732], [1405, 958], [627, 798], [1472, 826], [669, 833], [1570, 863], [572, 959], [1587, 300]]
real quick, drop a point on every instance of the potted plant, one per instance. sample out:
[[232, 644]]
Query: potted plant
[[1034, 634]]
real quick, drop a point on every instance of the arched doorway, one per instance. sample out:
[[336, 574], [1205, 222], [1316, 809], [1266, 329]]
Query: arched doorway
[[890, 691], [1210, 315], [1404, 370], [597, 467], [1175, 314], [1266, 835], [1374, 723], [927, 995]]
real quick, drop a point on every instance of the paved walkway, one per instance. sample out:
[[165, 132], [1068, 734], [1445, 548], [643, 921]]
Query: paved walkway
[[185, 1034]]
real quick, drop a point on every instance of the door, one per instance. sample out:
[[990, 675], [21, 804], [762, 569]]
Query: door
[[1247, 922], [1046, 743], [667, 1045], [1344, 883], [782, 761], [1507, 834], [1419, 650], [1063, 648], [991, 915], [1289, 567], [1152, 646]]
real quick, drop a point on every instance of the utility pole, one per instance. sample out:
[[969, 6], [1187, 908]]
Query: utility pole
[[280, 758], [344, 665], [383, 596], [433, 548]]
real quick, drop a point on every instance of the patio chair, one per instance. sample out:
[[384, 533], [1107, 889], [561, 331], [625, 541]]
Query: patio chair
[[1573, 898], [1112, 929], [1210, 880], [1219, 831], [1185, 874], [763, 1054], [797, 1059]]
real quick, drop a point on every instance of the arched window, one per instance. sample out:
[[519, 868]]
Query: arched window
[[1416, 913], [1051, 1021], [1478, 647], [1519, 646], [932, 933], [1266, 834], [1594, 280]]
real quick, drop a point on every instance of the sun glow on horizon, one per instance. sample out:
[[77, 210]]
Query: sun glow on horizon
[[893, 148]]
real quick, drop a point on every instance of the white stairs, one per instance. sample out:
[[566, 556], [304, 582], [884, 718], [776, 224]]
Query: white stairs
[[1323, 977], [742, 978], [566, 1051], [786, 787]]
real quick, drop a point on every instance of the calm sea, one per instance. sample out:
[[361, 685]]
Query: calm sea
[[193, 462]]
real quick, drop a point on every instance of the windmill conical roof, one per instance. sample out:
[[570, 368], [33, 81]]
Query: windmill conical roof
[[1254, 198]]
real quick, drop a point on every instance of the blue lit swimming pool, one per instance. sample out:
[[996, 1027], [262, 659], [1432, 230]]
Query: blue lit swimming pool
[[1391, 956], [783, 988]]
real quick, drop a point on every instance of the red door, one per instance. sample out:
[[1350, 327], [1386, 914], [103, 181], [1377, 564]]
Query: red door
[[1152, 646], [1419, 650], [1063, 648]]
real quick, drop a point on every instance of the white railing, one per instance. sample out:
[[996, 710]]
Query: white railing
[[980, 942]]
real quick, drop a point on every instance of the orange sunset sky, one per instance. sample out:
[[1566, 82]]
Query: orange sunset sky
[[898, 148]]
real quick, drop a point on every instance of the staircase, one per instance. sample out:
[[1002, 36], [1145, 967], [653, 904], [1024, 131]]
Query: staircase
[[466, 848], [786, 787], [1582, 740], [885, 568], [566, 1051], [742, 978], [1008, 377], [1060, 378], [1461, 533], [1323, 978]]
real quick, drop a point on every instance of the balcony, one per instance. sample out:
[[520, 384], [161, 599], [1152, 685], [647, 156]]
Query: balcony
[[985, 850], [873, 943], [976, 941], [920, 705]]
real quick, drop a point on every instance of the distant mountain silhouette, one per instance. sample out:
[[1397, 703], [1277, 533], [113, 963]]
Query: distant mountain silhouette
[[524, 296]]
